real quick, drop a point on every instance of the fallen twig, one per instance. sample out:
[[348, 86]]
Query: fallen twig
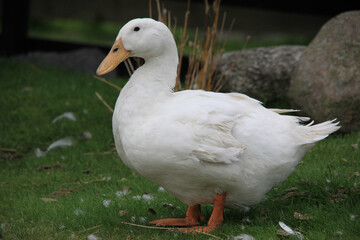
[[48, 167], [104, 102], [101, 153], [91, 228], [211, 235], [150, 227], [7, 149], [89, 235], [168, 228], [108, 83], [95, 180]]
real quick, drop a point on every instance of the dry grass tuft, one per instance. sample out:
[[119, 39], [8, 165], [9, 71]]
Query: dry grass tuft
[[201, 61]]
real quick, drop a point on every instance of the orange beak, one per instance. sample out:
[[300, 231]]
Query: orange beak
[[117, 54]]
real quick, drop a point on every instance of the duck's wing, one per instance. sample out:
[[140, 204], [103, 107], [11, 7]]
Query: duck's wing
[[211, 118], [216, 144]]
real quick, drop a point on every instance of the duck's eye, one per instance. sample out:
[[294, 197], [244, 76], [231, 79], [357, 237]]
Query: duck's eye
[[136, 29]]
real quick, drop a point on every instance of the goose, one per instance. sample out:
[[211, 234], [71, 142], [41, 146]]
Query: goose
[[203, 147]]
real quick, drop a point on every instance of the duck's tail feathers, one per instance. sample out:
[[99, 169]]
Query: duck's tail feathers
[[280, 111], [320, 131]]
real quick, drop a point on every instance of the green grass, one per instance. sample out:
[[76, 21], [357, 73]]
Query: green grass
[[105, 32], [95, 32], [327, 180]]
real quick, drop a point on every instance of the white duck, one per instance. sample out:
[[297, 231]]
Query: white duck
[[203, 147]]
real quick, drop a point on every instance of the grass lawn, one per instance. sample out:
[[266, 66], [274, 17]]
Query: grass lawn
[[105, 32], [84, 190]]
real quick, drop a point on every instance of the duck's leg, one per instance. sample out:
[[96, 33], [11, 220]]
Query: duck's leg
[[216, 218], [193, 215]]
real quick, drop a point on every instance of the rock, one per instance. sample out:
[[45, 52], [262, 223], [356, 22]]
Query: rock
[[262, 73], [326, 81]]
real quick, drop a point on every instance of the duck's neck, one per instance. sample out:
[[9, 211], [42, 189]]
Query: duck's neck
[[158, 74], [151, 84]]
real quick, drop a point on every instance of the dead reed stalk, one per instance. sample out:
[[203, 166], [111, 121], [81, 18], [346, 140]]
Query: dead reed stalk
[[201, 60], [104, 102]]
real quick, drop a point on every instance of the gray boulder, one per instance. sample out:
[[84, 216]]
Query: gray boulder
[[263, 73], [326, 81]]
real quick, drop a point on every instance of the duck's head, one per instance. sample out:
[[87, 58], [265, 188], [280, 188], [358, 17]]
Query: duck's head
[[141, 37]]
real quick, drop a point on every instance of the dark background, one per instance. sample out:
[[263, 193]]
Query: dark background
[[261, 18]]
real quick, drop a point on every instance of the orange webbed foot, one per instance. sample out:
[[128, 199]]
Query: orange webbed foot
[[193, 215], [216, 218]]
